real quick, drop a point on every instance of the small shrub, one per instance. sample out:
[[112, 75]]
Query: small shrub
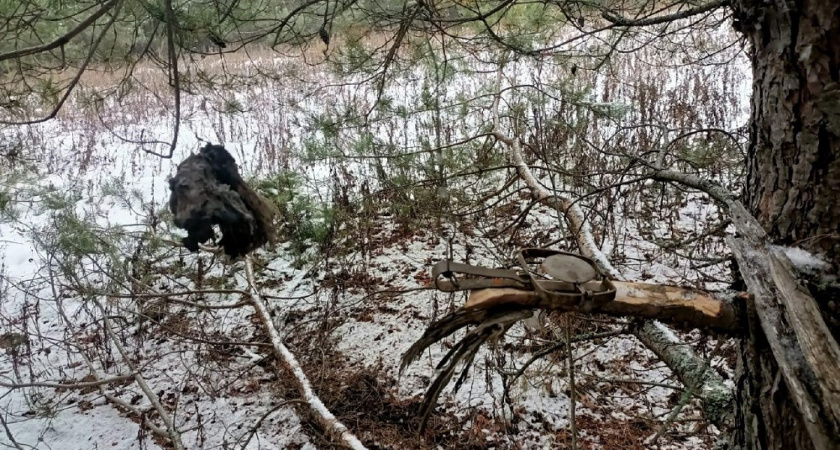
[[305, 222]]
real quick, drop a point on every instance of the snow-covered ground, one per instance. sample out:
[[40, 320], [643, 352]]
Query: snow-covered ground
[[348, 317]]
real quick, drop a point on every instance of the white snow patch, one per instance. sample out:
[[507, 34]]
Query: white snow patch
[[803, 260]]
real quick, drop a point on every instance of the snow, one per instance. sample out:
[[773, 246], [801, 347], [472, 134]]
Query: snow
[[216, 394], [803, 260], [73, 429]]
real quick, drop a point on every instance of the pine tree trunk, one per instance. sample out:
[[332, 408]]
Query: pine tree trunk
[[793, 183], [794, 173]]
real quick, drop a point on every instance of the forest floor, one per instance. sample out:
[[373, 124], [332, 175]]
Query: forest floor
[[93, 285], [348, 315]]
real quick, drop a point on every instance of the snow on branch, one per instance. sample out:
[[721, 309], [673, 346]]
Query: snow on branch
[[802, 345]]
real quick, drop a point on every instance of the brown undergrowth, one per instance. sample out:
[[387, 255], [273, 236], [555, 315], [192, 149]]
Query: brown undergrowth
[[364, 399]]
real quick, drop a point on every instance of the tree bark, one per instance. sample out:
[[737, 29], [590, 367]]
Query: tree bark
[[683, 307], [792, 188], [794, 173]]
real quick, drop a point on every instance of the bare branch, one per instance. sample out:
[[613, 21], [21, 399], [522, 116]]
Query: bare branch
[[69, 385], [172, 432], [174, 78], [290, 363], [63, 39], [573, 212], [9, 433], [625, 22]]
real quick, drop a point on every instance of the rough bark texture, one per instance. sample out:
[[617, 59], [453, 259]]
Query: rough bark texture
[[792, 188], [794, 171]]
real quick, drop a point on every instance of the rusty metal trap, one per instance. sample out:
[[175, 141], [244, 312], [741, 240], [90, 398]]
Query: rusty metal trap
[[560, 279]]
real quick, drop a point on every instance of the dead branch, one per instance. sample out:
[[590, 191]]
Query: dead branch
[[68, 384], [172, 431], [802, 344], [676, 305], [621, 21], [684, 399], [690, 369], [9, 433], [323, 415], [495, 310], [491, 325], [163, 433], [676, 356]]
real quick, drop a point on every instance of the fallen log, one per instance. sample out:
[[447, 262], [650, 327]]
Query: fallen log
[[688, 308]]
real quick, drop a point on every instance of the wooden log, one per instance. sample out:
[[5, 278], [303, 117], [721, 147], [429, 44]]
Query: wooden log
[[804, 349], [677, 305]]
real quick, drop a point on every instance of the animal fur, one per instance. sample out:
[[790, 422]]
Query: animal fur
[[207, 190]]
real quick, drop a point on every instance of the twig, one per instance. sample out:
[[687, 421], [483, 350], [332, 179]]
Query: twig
[[174, 79], [174, 436], [561, 345], [9, 433], [639, 382], [137, 412], [265, 416], [92, 369], [570, 361], [76, 385]]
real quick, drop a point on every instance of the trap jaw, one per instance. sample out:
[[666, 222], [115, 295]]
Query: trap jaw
[[562, 280], [566, 279]]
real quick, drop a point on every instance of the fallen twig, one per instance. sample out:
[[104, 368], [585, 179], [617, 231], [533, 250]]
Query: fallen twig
[[173, 433], [70, 385]]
